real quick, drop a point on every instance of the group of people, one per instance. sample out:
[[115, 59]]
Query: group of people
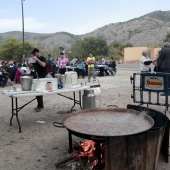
[[10, 71], [39, 67], [162, 62], [85, 67]]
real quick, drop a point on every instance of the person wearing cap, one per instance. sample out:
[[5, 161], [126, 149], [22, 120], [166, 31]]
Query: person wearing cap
[[62, 62], [91, 69], [40, 70]]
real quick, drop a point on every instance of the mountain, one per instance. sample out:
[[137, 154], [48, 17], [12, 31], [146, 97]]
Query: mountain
[[147, 30], [49, 41]]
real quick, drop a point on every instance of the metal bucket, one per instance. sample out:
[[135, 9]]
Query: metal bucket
[[26, 82]]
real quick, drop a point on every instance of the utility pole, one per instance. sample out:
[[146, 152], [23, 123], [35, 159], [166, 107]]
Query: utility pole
[[23, 37]]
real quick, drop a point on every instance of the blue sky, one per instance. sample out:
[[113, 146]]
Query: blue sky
[[74, 16]]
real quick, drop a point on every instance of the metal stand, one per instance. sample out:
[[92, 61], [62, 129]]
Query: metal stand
[[70, 150], [78, 102], [99, 156], [16, 110]]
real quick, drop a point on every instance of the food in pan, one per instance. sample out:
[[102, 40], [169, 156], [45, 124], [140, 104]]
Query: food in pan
[[107, 123]]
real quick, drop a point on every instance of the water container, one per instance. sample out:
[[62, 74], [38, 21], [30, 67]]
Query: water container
[[89, 100]]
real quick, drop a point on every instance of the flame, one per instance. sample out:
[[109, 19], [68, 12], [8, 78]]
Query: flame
[[88, 149]]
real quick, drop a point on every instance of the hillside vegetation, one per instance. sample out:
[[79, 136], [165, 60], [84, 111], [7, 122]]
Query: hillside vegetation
[[148, 30]]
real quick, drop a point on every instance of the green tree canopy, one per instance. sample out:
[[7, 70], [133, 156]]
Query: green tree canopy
[[167, 38], [12, 50], [116, 49], [81, 48]]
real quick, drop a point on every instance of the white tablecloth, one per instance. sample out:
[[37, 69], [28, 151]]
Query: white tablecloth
[[33, 93]]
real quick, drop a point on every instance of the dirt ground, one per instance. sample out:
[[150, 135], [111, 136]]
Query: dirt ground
[[40, 146]]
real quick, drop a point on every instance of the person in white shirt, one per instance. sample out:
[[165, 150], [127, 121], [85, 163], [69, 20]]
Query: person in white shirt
[[145, 62]]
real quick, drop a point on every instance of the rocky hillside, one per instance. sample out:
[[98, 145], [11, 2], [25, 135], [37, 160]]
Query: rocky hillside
[[147, 30], [49, 41]]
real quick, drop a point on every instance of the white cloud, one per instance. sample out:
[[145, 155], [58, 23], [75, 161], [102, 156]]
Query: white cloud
[[31, 25], [37, 26]]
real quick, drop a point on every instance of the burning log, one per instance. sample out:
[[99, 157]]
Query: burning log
[[86, 152]]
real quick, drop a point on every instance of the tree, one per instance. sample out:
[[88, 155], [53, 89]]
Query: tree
[[116, 49], [81, 48], [167, 38], [12, 49], [77, 50]]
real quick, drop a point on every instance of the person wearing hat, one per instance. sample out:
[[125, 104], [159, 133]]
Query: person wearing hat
[[40, 70], [62, 62]]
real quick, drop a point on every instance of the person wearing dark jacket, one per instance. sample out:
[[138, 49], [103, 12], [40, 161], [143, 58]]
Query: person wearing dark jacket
[[112, 66], [163, 62], [40, 70]]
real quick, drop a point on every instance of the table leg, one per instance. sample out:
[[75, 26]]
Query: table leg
[[12, 102], [16, 103], [74, 99], [101, 71], [80, 99], [70, 150], [78, 102]]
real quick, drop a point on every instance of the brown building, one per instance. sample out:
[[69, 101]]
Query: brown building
[[135, 53]]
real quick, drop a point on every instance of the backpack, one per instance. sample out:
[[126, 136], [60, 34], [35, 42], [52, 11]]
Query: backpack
[[49, 67]]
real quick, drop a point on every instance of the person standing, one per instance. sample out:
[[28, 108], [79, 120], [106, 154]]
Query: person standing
[[91, 69], [163, 62], [40, 70], [62, 62], [145, 62], [13, 72]]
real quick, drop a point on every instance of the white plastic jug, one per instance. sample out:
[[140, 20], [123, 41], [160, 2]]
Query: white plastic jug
[[71, 79]]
